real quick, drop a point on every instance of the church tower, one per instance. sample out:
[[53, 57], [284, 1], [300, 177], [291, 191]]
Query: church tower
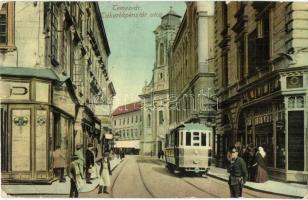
[[164, 37], [155, 95]]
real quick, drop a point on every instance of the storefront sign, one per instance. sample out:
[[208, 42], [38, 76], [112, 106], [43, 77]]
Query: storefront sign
[[14, 90], [21, 140], [42, 92], [261, 90], [62, 100]]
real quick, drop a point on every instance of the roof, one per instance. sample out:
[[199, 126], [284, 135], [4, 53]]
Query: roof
[[102, 27], [43, 73], [195, 126], [127, 108]]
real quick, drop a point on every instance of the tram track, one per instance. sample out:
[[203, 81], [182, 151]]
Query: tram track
[[199, 188], [144, 184], [116, 178]]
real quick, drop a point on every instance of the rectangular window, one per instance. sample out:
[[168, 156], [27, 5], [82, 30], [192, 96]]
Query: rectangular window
[[203, 139], [296, 140], [7, 24], [188, 138], [252, 53], [3, 24], [241, 57], [4, 141], [54, 34], [225, 70], [182, 138]]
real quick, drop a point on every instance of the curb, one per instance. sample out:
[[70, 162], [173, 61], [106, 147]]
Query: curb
[[16, 194], [254, 189]]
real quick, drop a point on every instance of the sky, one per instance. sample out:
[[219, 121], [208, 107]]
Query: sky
[[129, 27]]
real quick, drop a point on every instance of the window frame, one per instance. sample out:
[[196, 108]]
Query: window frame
[[10, 26]]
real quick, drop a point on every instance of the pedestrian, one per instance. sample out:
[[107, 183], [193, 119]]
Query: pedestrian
[[59, 163], [249, 160], [238, 173], [260, 162], [162, 154], [122, 154], [104, 173], [89, 163], [158, 154], [93, 169], [75, 176], [81, 160]]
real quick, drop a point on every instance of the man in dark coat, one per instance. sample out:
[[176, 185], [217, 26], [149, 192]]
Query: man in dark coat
[[89, 162], [238, 173], [73, 174]]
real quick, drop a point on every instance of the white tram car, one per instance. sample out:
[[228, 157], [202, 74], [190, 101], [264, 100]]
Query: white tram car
[[189, 148]]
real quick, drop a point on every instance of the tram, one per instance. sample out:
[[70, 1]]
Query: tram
[[188, 148]]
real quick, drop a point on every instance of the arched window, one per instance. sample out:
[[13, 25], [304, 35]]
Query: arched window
[[161, 54], [149, 120]]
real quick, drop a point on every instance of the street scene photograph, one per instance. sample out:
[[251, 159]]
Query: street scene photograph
[[154, 99]]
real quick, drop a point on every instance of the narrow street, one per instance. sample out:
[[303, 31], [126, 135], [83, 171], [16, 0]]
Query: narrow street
[[146, 178]]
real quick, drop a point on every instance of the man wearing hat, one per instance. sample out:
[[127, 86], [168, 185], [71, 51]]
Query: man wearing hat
[[75, 176], [89, 162], [79, 154], [238, 173]]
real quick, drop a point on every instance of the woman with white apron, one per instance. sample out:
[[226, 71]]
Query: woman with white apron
[[104, 173]]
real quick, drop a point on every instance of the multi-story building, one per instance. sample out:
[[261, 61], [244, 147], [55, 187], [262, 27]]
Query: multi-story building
[[53, 67], [155, 95], [191, 72], [127, 127], [262, 81]]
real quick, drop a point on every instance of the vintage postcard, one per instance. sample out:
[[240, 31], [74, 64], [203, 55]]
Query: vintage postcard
[[154, 99]]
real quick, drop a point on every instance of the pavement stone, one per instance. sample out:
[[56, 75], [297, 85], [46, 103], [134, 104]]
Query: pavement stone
[[271, 186], [55, 188]]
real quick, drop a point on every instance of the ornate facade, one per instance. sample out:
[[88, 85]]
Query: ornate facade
[[262, 79], [192, 68], [53, 67]]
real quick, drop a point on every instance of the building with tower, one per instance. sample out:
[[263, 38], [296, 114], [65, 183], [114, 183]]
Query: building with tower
[[155, 95]]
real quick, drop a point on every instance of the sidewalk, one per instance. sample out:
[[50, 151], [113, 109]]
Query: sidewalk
[[273, 187], [55, 188]]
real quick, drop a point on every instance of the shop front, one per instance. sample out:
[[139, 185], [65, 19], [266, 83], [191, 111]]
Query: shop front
[[277, 121], [29, 125]]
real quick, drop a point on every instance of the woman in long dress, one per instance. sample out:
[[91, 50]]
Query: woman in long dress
[[104, 173], [261, 173]]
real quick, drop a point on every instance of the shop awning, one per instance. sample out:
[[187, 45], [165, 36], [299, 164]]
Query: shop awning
[[108, 136], [128, 144]]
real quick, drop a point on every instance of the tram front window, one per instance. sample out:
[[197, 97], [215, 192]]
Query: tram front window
[[188, 139], [196, 139], [203, 139]]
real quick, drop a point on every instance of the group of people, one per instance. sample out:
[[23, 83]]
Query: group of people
[[94, 166], [244, 164]]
